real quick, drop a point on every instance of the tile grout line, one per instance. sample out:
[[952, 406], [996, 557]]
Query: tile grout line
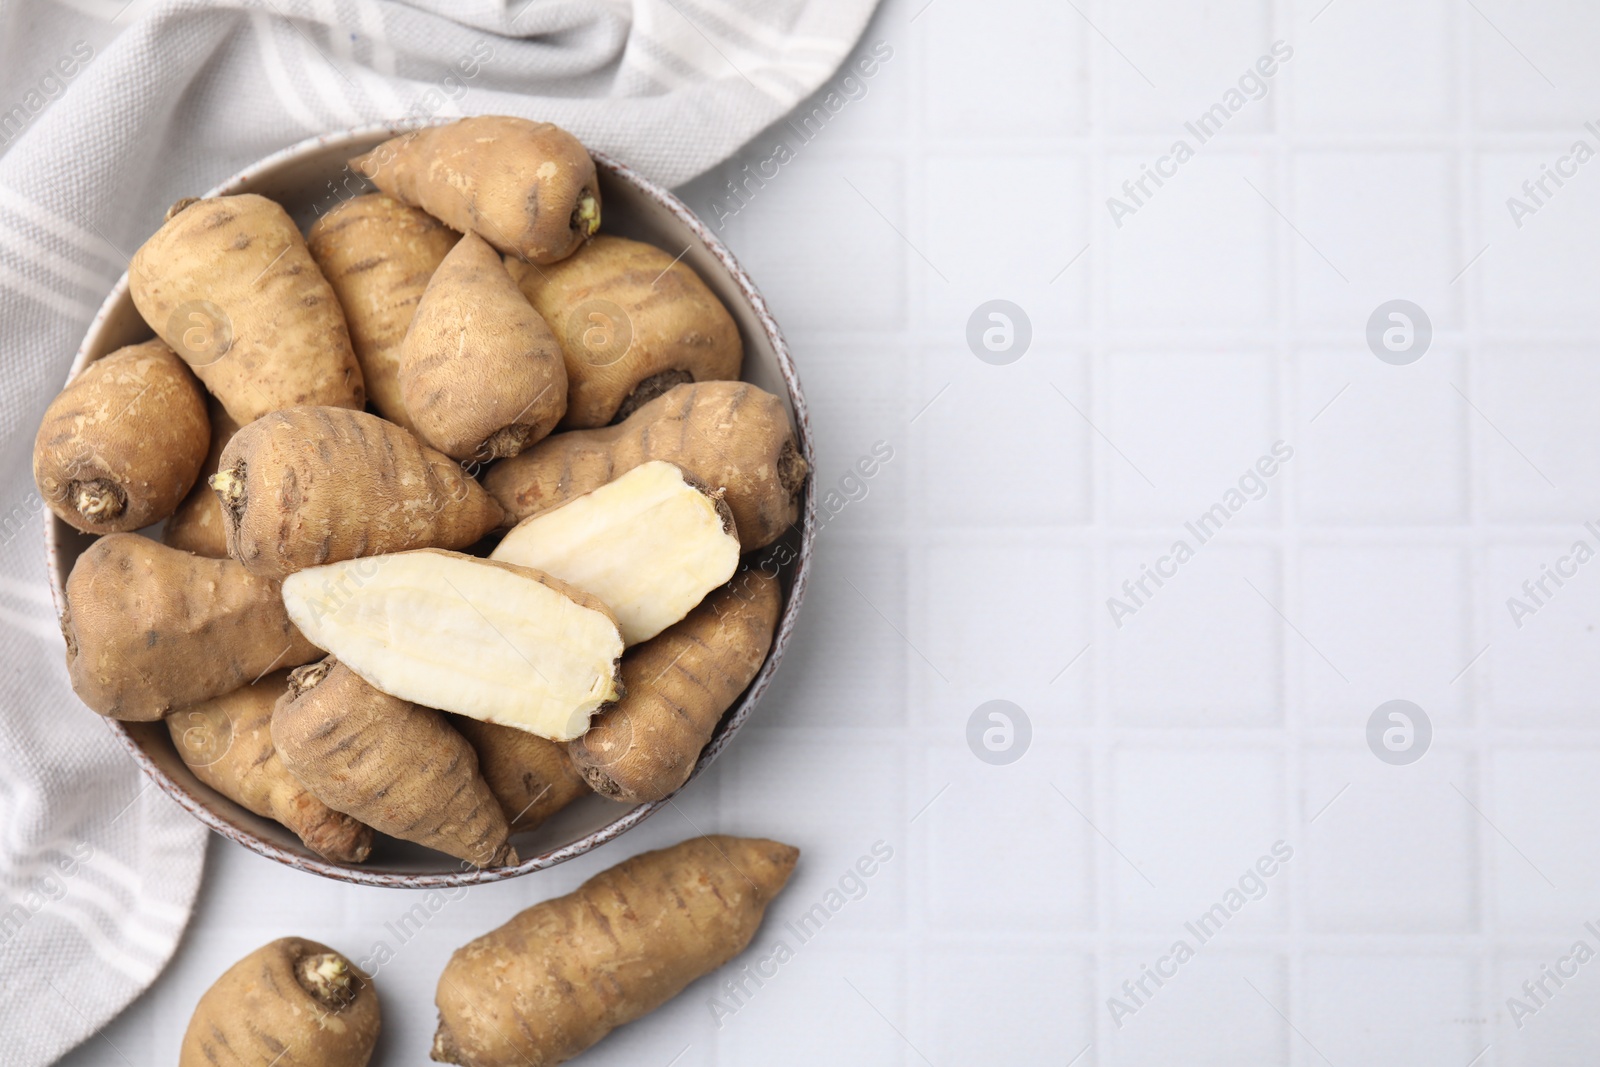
[[1290, 662], [1254, 535], [1102, 748], [1399, 141], [1468, 178], [913, 524]]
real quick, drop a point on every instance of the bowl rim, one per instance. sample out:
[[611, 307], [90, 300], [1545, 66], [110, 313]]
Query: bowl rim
[[799, 567]]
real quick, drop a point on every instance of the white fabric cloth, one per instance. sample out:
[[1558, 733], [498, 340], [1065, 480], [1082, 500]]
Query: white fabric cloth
[[109, 113]]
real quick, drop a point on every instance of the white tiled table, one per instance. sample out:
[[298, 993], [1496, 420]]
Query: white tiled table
[[1228, 713]]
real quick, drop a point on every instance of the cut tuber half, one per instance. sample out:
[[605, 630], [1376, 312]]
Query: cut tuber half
[[650, 544], [476, 637]]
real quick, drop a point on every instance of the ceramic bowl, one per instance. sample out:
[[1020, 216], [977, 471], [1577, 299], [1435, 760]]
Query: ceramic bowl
[[308, 179]]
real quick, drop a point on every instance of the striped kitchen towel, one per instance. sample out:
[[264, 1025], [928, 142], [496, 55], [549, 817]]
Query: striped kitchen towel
[[109, 111]]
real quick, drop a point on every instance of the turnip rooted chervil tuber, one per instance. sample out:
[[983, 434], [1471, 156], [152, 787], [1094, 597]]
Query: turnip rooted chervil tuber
[[378, 255], [150, 628], [678, 687], [317, 485], [227, 743], [731, 436], [123, 442], [633, 322], [561, 975], [528, 188], [389, 763], [481, 374], [230, 285], [290, 1003]]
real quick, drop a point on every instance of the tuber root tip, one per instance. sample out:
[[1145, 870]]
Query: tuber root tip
[[187, 201], [792, 468], [650, 388], [586, 216], [229, 486], [304, 679], [444, 1046], [505, 442], [603, 784], [68, 634], [97, 501], [328, 978]]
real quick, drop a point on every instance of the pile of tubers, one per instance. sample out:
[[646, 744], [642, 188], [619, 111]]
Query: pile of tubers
[[459, 501]]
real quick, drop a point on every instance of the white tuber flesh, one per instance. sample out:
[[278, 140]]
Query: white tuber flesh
[[650, 544], [494, 641]]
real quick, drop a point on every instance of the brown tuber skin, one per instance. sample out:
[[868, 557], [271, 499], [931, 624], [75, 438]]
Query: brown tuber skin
[[230, 285], [291, 1003], [679, 684], [729, 435], [396, 766], [480, 373], [124, 441], [561, 975], [308, 486], [227, 743], [197, 526], [378, 255], [528, 188], [531, 777], [632, 322], [149, 628]]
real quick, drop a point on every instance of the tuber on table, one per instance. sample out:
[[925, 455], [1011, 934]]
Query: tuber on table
[[561, 975], [290, 1003]]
